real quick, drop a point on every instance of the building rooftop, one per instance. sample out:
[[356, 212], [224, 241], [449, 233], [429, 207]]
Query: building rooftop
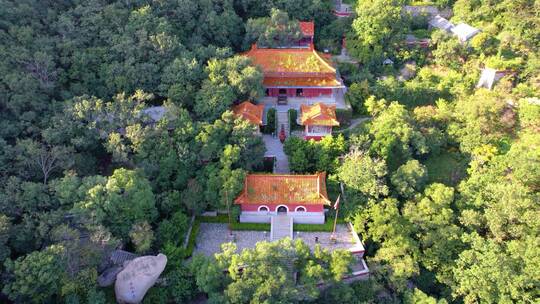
[[294, 67], [441, 23], [318, 114], [464, 31], [291, 60], [248, 111], [284, 189]]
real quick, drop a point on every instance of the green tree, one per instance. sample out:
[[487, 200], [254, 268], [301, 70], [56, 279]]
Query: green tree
[[395, 137], [379, 25], [450, 52], [364, 174], [276, 31], [43, 158], [212, 100], [356, 94], [124, 200], [180, 80], [512, 281], [409, 178], [36, 277], [436, 229], [209, 272], [142, 236], [5, 227], [396, 261], [482, 118], [172, 230]]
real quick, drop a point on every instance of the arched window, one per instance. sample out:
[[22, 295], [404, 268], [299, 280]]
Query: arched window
[[300, 209], [263, 209]]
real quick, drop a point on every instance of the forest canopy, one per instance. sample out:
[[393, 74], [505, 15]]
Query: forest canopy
[[441, 177]]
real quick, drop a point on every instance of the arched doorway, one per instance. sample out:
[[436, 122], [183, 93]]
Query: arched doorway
[[281, 209]]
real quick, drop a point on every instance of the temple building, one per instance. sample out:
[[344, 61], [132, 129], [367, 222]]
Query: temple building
[[318, 120], [250, 112], [297, 71], [301, 197]]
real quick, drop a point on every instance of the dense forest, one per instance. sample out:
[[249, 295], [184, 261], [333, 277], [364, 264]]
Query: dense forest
[[442, 180]]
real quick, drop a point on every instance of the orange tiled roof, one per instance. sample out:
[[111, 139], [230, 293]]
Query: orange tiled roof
[[252, 113], [318, 114], [284, 189], [298, 61], [308, 28], [301, 82], [294, 67]]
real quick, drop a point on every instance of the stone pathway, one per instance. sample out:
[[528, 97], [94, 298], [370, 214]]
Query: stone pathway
[[275, 148], [281, 227], [283, 122]]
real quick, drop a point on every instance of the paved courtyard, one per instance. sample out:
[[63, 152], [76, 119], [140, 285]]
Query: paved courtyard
[[212, 235], [275, 148]]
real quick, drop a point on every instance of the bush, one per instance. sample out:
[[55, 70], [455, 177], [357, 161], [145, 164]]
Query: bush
[[224, 219], [220, 218], [193, 237], [357, 93], [270, 126], [293, 116], [173, 230], [250, 226]]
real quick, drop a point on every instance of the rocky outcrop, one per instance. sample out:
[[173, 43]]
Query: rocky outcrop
[[137, 277]]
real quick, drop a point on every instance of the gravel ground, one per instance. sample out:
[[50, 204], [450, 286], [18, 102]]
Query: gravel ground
[[212, 235]]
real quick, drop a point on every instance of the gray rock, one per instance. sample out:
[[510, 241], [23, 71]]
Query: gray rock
[[137, 277]]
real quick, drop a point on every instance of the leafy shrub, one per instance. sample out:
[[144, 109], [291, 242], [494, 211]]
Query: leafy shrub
[[270, 122], [293, 116], [173, 230], [193, 237], [250, 226]]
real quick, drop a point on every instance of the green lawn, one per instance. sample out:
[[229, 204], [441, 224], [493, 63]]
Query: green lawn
[[448, 168], [223, 219]]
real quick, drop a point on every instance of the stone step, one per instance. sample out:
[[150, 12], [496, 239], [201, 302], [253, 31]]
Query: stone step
[[283, 120], [281, 227]]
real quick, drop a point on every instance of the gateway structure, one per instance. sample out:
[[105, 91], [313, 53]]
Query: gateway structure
[[300, 197]]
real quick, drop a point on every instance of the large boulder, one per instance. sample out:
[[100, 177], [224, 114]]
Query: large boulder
[[137, 277]]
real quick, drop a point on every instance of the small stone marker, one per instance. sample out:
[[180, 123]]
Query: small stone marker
[[137, 277]]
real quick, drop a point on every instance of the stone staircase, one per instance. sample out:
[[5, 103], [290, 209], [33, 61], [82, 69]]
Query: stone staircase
[[283, 120], [281, 227]]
